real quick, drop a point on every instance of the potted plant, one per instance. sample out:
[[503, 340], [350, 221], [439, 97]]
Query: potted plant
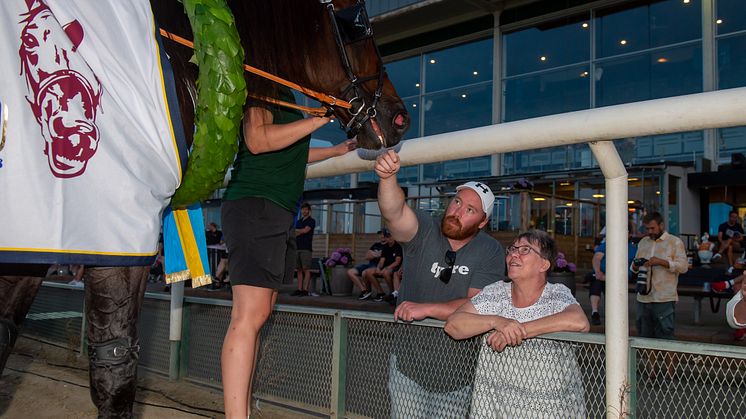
[[563, 272], [335, 268]]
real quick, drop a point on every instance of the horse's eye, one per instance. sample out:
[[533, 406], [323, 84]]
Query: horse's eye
[[29, 41]]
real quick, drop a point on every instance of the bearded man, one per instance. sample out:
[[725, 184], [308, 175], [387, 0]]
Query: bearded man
[[430, 374]]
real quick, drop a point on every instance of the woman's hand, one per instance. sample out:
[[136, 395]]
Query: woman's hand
[[513, 331]]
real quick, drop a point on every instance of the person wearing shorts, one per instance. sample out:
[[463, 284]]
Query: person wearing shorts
[[304, 227], [373, 255], [258, 213]]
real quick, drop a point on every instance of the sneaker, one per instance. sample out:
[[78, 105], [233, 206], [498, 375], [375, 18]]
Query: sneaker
[[379, 297], [313, 294], [716, 257], [596, 319], [730, 271], [297, 293], [365, 295]]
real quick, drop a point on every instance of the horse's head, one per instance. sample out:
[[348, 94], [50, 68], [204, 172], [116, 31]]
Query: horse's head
[[63, 93], [378, 116]]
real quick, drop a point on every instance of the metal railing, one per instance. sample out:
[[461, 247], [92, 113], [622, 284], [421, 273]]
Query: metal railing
[[339, 363]]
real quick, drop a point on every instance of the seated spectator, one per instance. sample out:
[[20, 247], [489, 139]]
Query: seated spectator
[[512, 312], [730, 235], [391, 258], [371, 256], [391, 298]]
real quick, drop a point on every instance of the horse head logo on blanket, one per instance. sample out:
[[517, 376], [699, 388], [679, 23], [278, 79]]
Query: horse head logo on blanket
[[63, 92]]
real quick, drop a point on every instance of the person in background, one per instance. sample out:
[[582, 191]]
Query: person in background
[[730, 236], [598, 277], [304, 228], [371, 256], [388, 263], [735, 311], [664, 256]]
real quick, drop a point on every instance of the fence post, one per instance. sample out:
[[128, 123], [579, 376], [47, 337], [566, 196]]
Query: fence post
[[632, 382], [339, 366]]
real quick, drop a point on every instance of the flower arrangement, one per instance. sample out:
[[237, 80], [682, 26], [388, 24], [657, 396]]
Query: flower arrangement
[[562, 265], [342, 256]]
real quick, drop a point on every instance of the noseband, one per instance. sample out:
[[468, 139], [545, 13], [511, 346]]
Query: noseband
[[351, 25]]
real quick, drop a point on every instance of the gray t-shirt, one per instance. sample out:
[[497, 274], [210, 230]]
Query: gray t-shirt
[[478, 264]]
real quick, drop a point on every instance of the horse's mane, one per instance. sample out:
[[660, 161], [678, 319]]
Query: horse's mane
[[284, 38]]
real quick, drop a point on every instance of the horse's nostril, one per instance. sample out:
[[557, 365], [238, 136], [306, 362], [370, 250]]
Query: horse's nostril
[[399, 120]]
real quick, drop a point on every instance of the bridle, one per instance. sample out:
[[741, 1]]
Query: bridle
[[351, 25]]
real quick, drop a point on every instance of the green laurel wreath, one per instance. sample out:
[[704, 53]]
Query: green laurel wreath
[[221, 93]]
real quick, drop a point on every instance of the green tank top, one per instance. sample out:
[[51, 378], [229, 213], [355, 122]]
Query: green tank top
[[278, 175]]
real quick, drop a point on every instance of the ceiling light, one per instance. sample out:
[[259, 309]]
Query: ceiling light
[[657, 192], [416, 85], [598, 195], [414, 105], [543, 58], [476, 73], [630, 202], [538, 198], [331, 121], [463, 95], [662, 60], [623, 42], [686, 1], [432, 61], [584, 74], [569, 204], [719, 21], [633, 179], [564, 183], [585, 24]]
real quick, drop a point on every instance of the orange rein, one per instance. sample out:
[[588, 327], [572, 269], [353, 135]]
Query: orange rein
[[321, 97]]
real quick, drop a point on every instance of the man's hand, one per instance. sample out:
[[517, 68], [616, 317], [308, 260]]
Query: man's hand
[[345, 147], [409, 311], [656, 261], [387, 164], [600, 276]]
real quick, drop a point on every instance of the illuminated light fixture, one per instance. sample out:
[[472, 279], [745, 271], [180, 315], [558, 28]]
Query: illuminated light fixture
[[623, 42], [598, 195], [662, 60], [631, 209], [331, 121], [630, 202], [463, 95], [657, 192], [416, 85], [633, 179], [719, 21], [432, 61], [538, 198], [543, 58], [564, 183], [476, 73], [686, 1], [585, 24], [414, 105], [584, 74], [569, 204]]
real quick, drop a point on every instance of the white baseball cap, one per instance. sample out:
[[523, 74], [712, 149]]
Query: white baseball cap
[[484, 192]]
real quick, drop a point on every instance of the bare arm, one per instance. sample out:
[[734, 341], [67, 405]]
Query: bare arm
[[596, 263], [409, 311], [263, 136], [571, 319], [467, 322], [322, 153], [400, 219]]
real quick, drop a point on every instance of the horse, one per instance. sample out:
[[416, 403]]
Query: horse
[[325, 46]]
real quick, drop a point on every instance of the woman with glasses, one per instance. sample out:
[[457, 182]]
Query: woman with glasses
[[517, 376]]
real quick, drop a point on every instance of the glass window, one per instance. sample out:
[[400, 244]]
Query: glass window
[[458, 66], [457, 169], [547, 93], [731, 140], [458, 109], [548, 45], [413, 108], [730, 16], [663, 73], [640, 25], [405, 76], [732, 61]]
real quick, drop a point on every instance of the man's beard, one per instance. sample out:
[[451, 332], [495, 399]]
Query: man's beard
[[655, 236], [452, 228]]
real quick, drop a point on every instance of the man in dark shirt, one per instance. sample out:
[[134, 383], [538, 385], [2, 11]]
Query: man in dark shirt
[[372, 257], [730, 235], [304, 241], [391, 258]]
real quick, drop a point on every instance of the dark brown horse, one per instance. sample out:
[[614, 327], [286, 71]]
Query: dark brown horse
[[294, 39]]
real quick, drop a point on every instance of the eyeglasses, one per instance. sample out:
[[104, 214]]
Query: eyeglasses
[[445, 275], [522, 250]]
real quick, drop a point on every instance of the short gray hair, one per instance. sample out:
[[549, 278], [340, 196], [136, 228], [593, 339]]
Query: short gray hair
[[542, 240]]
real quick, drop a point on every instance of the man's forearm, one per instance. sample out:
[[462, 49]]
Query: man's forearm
[[441, 311], [390, 199]]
